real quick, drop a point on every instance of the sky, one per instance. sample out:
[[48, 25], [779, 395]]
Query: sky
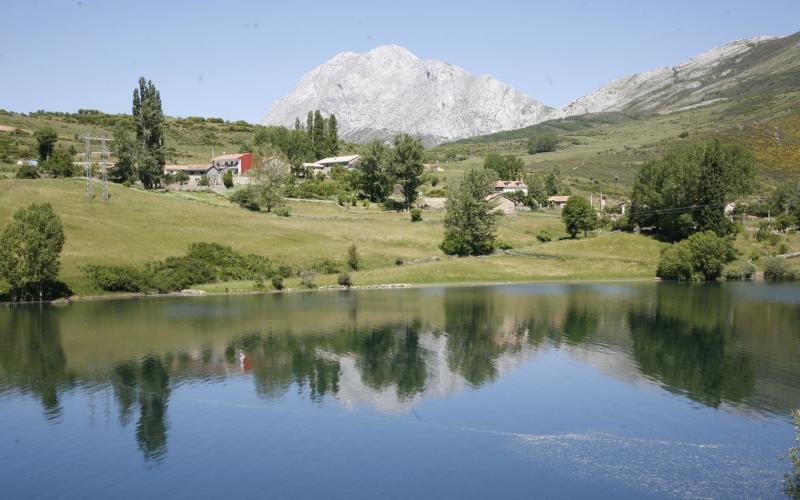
[[233, 59]]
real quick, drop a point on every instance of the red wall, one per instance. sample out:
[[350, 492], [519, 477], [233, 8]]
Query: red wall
[[247, 159]]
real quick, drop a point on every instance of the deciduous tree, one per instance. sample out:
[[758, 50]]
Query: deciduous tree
[[469, 221], [30, 247], [406, 166], [578, 215]]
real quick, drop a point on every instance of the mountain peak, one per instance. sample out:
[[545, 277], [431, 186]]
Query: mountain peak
[[389, 90]]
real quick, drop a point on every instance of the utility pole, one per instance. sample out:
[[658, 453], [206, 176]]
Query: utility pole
[[103, 166], [87, 167]]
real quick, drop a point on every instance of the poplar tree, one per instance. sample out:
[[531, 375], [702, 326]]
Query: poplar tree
[[149, 117], [333, 135], [318, 134]]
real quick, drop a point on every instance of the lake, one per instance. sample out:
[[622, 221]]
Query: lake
[[611, 390]]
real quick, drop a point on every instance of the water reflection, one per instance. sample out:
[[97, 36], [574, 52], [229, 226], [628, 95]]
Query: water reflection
[[389, 350]]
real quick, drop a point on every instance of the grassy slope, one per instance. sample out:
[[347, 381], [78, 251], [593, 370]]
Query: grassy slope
[[603, 152], [137, 226]]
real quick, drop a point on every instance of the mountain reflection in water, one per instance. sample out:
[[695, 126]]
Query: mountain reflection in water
[[731, 345]]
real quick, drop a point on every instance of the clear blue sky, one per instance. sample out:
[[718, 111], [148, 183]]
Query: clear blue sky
[[233, 59]]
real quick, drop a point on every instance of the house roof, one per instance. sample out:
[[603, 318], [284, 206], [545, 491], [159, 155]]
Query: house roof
[[558, 199], [510, 184], [313, 165], [229, 156], [338, 159], [494, 196]]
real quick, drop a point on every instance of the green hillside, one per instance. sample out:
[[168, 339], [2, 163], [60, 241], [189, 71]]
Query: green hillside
[[603, 151]]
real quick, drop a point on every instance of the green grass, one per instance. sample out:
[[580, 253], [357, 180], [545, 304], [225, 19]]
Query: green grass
[[137, 226]]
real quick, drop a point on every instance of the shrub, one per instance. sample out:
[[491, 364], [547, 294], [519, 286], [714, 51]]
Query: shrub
[[259, 282], [777, 269], [710, 253], [117, 278], [344, 280], [702, 254], [307, 279], [277, 282], [285, 271], [352, 257], [282, 211], [683, 135], [227, 179], [398, 261], [544, 236], [326, 266], [203, 181], [743, 271], [503, 244], [245, 198], [416, 214], [676, 263], [542, 143], [27, 172]]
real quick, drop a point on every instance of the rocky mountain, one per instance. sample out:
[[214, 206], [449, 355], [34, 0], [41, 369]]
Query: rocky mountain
[[738, 68], [389, 90]]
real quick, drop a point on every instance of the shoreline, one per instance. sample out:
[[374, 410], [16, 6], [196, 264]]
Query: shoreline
[[325, 288]]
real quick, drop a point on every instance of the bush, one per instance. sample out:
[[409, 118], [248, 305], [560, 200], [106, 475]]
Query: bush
[[743, 271], [344, 280], [117, 278], [544, 236], [285, 271], [542, 143], [710, 253], [676, 263], [326, 266], [245, 198], [307, 279], [203, 263], [416, 214], [352, 257], [282, 212], [503, 244], [702, 255], [778, 269], [227, 179], [203, 181], [277, 282], [27, 172], [398, 261], [683, 135]]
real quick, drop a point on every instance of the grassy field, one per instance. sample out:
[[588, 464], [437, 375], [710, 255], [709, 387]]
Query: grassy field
[[138, 226]]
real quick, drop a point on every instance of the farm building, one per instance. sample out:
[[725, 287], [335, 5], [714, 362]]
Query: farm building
[[502, 203], [349, 162], [239, 163], [510, 187], [558, 201], [194, 171]]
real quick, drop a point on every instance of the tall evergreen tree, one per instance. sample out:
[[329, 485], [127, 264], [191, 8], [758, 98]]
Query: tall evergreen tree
[[333, 135], [318, 134], [406, 166], [149, 118], [297, 124], [310, 124]]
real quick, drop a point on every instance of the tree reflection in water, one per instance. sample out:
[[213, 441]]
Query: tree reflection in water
[[684, 337]]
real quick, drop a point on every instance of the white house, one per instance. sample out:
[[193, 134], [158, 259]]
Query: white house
[[510, 187], [239, 163], [194, 171]]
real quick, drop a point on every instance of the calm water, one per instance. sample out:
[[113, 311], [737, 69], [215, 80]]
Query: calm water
[[613, 390]]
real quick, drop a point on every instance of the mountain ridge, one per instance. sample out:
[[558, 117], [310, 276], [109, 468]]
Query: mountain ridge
[[373, 92]]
